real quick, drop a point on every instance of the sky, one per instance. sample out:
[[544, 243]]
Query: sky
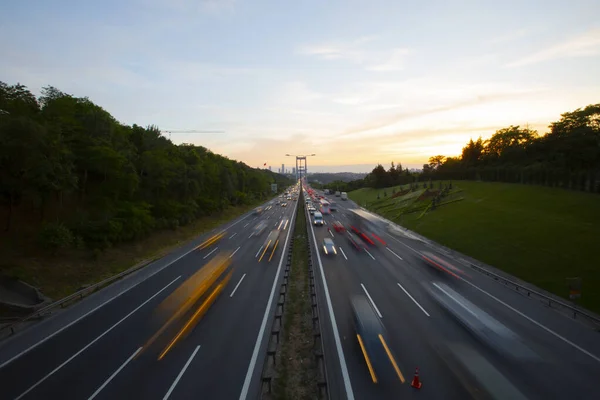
[[355, 82]]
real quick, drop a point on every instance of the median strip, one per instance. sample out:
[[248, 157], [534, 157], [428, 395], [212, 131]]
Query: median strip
[[292, 371]]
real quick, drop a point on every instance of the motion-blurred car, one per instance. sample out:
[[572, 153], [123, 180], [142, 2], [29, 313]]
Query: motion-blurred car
[[258, 211], [284, 204], [355, 241], [311, 210], [272, 238], [337, 225], [371, 334], [259, 228], [329, 247]]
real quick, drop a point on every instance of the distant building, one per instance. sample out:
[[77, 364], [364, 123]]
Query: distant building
[[282, 168], [269, 167], [293, 170]]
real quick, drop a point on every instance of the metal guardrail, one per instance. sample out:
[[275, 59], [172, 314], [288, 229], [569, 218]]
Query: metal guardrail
[[547, 299], [75, 296], [78, 295], [518, 287]]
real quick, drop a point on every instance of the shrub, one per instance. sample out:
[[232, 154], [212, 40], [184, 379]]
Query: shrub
[[55, 236]]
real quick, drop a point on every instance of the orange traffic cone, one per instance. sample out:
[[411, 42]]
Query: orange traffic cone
[[416, 383]]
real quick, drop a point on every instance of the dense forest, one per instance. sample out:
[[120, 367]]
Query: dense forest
[[568, 156], [72, 175]]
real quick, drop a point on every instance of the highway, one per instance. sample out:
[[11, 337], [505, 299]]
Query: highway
[[548, 356], [101, 347]]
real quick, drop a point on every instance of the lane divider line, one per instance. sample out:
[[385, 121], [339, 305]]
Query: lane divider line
[[370, 254], [94, 341], [391, 251], [108, 301], [261, 247], [110, 378], [236, 250], [413, 299], [247, 224], [344, 254], [371, 300], [231, 237], [181, 373], [212, 251], [236, 286]]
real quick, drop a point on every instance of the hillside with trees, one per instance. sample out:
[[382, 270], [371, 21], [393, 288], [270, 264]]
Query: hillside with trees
[[72, 176], [568, 156]]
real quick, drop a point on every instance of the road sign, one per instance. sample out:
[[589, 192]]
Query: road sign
[[274, 187]]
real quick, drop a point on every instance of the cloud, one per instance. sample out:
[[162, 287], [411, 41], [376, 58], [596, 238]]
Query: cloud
[[585, 45], [395, 61], [510, 36], [352, 51]]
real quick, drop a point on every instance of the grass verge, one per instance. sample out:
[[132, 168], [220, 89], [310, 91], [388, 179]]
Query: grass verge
[[539, 234], [61, 275], [296, 367]]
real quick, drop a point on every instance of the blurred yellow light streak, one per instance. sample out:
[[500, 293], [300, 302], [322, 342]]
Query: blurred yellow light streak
[[389, 353], [367, 359], [196, 286], [263, 253], [212, 240], [197, 315], [274, 247]]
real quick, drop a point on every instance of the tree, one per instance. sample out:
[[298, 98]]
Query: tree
[[509, 144], [379, 177], [120, 182], [472, 153], [394, 175], [436, 161]]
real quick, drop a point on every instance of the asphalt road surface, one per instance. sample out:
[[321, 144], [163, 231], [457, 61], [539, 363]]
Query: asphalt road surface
[[530, 352], [95, 349]]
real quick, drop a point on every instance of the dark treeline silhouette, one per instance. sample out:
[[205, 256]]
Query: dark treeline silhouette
[[378, 178], [71, 174], [568, 156]]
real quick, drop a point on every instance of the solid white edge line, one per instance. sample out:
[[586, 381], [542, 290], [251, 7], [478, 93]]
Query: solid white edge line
[[550, 331], [371, 300], [344, 254], [334, 328], [261, 247], [261, 332], [236, 286], [212, 251], [94, 341], [103, 304], [391, 251], [236, 250], [110, 378], [181, 373], [230, 237], [369, 254], [413, 299]]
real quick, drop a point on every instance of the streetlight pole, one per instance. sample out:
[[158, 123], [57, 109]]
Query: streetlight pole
[[299, 167]]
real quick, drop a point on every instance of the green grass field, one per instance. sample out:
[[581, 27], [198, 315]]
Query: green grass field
[[541, 235]]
